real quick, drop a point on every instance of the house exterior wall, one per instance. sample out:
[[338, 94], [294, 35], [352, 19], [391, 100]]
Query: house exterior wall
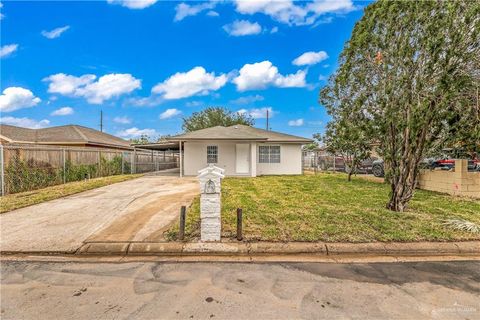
[[290, 160], [195, 158], [458, 182]]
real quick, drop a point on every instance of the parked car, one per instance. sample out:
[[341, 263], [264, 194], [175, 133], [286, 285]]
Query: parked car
[[443, 164], [448, 164], [377, 168]]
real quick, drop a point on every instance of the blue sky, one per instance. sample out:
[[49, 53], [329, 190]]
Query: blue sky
[[149, 63]]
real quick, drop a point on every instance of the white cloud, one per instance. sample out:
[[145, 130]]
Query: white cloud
[[258, 113], [96, 92], [66, 84], [1, 14], [296, 123], [122, 120], [65, 111], [274, 30], [133, 4], [248, 99], [169, 113], [25, 122], [8, 49], [322, 78], [263, 74], [212, 13], [109, 86], [14, 98], [55, 33], [289, 12], [242, 28], [310, 58], [135, 133], [184, 10], [194, 82]]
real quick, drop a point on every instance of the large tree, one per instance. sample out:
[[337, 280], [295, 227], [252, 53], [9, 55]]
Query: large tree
[[411, 68], [215, 116]]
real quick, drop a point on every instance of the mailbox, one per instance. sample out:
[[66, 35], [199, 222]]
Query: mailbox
[[210, 202]]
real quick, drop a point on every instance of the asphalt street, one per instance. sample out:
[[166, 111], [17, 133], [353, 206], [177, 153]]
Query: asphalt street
[[158, 290]]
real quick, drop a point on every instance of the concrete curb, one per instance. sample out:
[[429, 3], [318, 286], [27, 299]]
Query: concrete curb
[[467, 248], [276, 248]]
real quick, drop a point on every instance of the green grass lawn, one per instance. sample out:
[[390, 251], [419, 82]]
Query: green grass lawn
[[326, 207], [24, 199]]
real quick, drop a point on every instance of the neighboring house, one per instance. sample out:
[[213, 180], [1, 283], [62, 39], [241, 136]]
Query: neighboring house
[[62, 136], [240, 150]]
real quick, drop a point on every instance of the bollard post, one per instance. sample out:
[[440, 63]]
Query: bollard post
[[239, 224], [181, 232]]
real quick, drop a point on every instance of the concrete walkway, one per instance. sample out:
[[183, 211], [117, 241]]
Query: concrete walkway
[[133, 210]]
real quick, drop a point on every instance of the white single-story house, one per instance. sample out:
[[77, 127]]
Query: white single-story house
[[241, 151]]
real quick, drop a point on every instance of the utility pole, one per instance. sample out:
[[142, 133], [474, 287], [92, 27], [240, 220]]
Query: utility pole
[[101, 121], [267, 121]]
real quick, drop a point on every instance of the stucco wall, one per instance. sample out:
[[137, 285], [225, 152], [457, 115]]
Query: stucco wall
[[290, 160], [456, 182], [195, 158]]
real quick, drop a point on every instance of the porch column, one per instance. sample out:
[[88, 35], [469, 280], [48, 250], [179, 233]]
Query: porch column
[[181, 159], [253, 159]]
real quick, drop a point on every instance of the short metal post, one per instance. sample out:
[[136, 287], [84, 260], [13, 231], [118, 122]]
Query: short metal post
[[181, 232], [2, 158], [239, 224], [64, 167]]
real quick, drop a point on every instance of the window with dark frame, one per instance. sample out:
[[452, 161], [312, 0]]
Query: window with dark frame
[[212, 154], [269, 154]]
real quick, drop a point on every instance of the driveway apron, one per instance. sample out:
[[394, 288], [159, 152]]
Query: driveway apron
[[134, 210]]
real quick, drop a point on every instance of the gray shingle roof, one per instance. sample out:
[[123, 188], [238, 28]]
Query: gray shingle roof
[[72, 134], [238, 132]]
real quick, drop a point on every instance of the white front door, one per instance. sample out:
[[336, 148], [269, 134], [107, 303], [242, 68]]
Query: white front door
[[243, 158]]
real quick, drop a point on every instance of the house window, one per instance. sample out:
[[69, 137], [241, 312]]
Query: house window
[[212, 154], [269, 154]]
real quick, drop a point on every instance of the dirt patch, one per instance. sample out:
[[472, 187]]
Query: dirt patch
[[160, 212]]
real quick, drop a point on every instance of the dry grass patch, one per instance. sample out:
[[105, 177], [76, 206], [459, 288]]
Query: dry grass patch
[[24, 199], [326, 207]]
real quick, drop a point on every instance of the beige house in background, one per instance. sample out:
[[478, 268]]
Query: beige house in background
[[240, 150], [61, 136]]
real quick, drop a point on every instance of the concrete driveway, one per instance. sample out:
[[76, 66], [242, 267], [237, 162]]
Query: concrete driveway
[[133, 210]]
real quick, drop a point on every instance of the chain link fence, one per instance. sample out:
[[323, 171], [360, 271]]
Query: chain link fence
[[316, 161], [321, 161], [26, 168]]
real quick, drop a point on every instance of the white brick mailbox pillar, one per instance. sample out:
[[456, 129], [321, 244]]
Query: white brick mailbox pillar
[[210, 187]]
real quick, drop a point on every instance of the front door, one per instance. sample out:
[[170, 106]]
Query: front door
[[243, 158]]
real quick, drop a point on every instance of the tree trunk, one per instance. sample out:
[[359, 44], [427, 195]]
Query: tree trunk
[[350, 175], [404, 181]]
